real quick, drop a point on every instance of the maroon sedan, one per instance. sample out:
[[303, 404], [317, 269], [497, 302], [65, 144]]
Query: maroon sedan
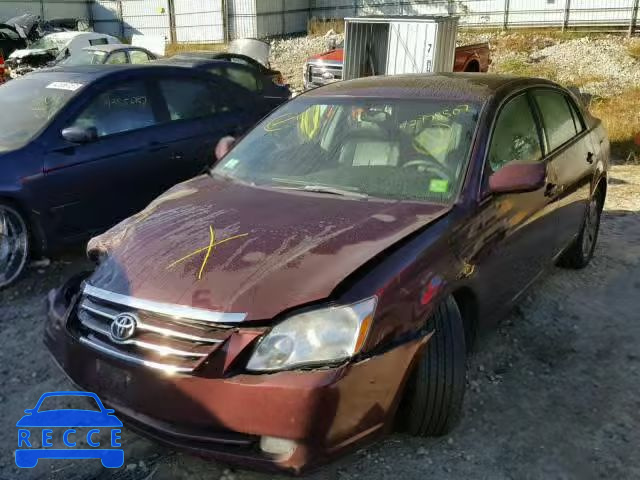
[[324, 283]]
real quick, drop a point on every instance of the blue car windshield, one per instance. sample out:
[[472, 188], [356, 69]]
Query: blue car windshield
[[397, 149], [66, 402], [28, 104]]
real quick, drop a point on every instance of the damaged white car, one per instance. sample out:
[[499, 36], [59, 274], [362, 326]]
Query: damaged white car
[[52, 48]]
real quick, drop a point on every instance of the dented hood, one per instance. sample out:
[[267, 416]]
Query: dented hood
[[29, 52], [273, 249], [250, 47]]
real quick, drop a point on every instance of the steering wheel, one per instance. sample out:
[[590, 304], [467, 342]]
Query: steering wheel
[[429, 164]]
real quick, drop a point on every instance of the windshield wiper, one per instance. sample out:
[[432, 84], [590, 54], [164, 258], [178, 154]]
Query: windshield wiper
[[327, 190]]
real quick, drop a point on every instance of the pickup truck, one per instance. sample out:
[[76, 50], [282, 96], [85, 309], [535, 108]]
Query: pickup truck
[[326, 67]]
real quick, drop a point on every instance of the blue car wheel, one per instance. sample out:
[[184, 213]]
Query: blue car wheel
[[26, 459], [112, 459]]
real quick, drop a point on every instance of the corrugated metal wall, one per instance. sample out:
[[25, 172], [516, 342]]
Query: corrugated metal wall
[[146, 17], [242, 18], [280, 17], [106, 17], [491, 13], [46, 9], [199, 21], [203, 20]]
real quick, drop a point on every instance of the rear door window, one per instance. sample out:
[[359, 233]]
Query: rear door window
[[577, 117], [189, 99], [98, 41], [515, 135], [240, 76], [557, 118], [117, 58], [138, 56], [122, 108]]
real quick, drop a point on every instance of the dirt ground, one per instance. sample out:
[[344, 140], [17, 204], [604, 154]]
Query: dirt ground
[[554, 392]]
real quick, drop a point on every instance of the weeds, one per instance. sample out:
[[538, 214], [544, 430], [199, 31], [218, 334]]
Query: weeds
[[176, 48], [320, 26], [523, 68], [634, 49], [619, 115]]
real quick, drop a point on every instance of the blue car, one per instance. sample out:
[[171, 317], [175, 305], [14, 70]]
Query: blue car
[[65, 422], [83, 147]]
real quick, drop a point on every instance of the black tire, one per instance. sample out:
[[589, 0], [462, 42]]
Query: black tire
[[580, 253], [432, 402], [15, 243]]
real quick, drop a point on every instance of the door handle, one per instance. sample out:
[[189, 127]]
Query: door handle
[[590, 157], [177, 156]]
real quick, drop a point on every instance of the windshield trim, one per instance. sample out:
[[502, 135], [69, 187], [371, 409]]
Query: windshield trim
[[312, 99]]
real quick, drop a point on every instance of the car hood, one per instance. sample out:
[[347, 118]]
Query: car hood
[[27, 52], [250, 47], [333, 55], [23, 25], [69, 418], [290, 248]]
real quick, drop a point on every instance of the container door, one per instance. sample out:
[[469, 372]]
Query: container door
[[411, 47]]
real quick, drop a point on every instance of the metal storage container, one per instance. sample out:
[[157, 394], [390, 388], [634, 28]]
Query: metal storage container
[[394, 45]]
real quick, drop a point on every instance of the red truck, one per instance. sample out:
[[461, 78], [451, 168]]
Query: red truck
[[326, 67]]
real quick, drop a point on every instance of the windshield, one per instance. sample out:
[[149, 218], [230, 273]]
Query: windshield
[[85, 57], [393, 149], [32, 100], [48, 42]]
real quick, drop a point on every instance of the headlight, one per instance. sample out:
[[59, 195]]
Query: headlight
[[316, 337]]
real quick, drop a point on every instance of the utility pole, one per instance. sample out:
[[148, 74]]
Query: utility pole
[[505, 25], [567, 10], [121, 19], [634, 18], [172, 21]]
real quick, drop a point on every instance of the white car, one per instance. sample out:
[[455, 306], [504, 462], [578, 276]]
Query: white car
[[52, 48]]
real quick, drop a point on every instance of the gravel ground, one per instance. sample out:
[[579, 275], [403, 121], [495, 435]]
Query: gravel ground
[[289, 55], [600, 65], [554, 392]]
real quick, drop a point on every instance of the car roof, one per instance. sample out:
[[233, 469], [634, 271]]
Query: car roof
[[191, 62], [477, 87], [110, 47], [68, 35], [90, 73], [202, 63]]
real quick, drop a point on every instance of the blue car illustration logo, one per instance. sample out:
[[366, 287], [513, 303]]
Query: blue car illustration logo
[[69, 427]]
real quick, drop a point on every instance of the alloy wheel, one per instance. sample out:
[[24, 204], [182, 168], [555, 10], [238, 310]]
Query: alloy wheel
[[14, 247], [591, 226]]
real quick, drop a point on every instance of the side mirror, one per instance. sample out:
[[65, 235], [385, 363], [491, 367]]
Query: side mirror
[[80, 135], [223, 147], [517, 177]]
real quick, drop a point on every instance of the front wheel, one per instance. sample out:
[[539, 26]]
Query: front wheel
[[581, 250], [432, 403], [14, 244]]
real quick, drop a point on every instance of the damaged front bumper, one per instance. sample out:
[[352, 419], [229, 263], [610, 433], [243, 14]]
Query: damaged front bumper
[[289, 420]]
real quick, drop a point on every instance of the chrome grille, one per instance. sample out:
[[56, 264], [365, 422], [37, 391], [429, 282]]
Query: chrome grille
[[319, 74], [161, 339]]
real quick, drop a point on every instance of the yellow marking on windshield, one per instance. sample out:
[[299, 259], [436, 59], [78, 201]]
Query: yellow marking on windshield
[[209, 249], [280, 122]]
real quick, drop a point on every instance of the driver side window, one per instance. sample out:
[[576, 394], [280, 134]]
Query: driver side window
[[122, 108], [515, 135]]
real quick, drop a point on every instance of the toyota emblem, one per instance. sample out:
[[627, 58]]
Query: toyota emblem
[[123, 327]]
